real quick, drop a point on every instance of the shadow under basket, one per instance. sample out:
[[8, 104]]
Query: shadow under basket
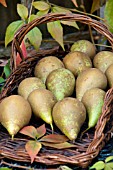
[[93, 141]]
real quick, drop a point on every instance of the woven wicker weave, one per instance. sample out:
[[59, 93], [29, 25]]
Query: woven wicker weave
[[94, 140]]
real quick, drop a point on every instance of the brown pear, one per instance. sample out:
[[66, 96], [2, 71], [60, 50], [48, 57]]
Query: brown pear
[[42, 102], [69, 115], [47, 65], [28, 85], [15, 113]]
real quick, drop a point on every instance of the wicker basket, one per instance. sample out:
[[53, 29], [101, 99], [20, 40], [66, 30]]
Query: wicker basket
[[95, 139]]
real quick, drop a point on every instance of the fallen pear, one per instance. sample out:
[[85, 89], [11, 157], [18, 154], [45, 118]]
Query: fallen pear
[[69, 115], [47, 65], [15, 113], [61, 83], [93, 101], [42, 102], [29, 84], [88, 79]]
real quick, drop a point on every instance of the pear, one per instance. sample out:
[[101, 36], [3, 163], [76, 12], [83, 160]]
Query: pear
[[46, 65], [103, 60], [42, 102], [84, 46], [15, 113], [69, 114], [61, 83], [93, 101], [28, 85], [109, 75], [88, 79], [77, 62]]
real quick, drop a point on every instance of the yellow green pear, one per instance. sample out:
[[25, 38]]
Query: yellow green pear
[[109, 75], [61, 83], [69, 114], [29, 84], [15, 113], [42, 102]]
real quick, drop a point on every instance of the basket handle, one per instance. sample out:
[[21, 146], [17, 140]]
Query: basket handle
[[20, 34]]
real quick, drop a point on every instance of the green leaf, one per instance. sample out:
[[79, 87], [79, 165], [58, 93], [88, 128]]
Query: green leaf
[[53, 138], [110, 164], [41, 5], [108, 14], [70, 23], [41, 13], [64, 167], [1, 80], [41, 131], [56, 31], [60, 10], [107, 167], [95, 5], [109, 158], [5, 168], [32, 17], [98, 165], [35, 37], [33, 148], [11, 30], [58, 145], [7, 69], [22, 11], [30, 131]]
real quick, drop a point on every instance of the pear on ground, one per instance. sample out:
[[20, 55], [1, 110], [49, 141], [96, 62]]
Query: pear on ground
[[84, 46], [69, 115], [109, 75], [29, 84], [46, 65], [15, 113], [42, 102], [88, 79], [103, 60], [77, 62], [61, 83], [93, 101]]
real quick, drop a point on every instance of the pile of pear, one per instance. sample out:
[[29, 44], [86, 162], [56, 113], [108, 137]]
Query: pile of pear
[[65, 92]]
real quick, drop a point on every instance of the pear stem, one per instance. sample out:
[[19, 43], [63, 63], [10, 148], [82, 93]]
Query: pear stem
[[84, 132], [52, 127], [12, 137]]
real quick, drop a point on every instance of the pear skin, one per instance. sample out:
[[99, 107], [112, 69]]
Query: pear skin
[[61, 83], [15, 113], [93, 101], [42, 102], [69, 115], [109, 75]]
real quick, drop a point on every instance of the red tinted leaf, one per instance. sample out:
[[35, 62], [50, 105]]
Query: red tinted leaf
[[29, 131], [3, 2], [75, 3], [53, 138], [33, 147], [41, 131], [59, 145]]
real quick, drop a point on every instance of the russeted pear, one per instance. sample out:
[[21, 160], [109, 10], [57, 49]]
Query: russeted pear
[[103, 60], [93, 101], [88, 79], [42, 102], [15, 113], [61, 83], [77, 62], [46, 65], [29, 84], [109, 75], [84, 46], [69, 115]]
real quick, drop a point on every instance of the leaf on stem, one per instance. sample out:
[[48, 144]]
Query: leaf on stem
[[33, 148], [95, 6], [41, 131], [3, 2], [98, 165], [41, 13], [35, 37], [7, 70], [75, 3], [109, 158], [30, 131], [11, 30], [53, 138], [56, 9], [41, 5], [58, 145], [2, 80], [22, 11], [56, 31], [70, 23]]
